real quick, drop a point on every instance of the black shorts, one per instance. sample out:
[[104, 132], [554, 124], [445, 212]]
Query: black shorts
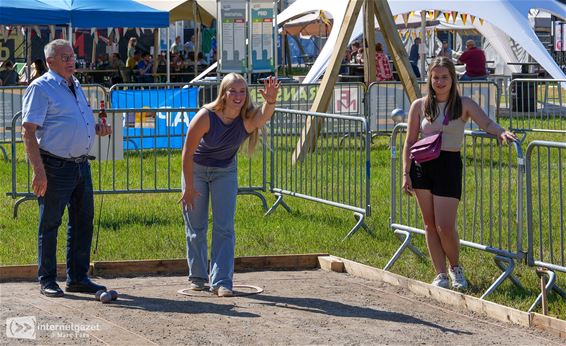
[[442, 176]]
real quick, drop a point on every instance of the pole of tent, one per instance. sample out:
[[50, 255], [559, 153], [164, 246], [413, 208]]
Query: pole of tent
[[422, 52]]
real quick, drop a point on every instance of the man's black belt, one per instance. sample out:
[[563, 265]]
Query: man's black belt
[[79, 159]]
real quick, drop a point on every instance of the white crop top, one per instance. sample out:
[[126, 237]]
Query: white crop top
[[453, 133]]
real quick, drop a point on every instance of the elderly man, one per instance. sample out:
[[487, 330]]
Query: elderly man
[[474, 58], [58, 131]]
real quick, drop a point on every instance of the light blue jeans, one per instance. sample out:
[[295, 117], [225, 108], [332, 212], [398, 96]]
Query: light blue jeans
[[220, 185]]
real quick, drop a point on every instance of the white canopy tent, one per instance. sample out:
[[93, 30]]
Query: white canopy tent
[[501, 17]]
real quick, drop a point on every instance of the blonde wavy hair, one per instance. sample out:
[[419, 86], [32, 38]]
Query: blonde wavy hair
[[248, 110]]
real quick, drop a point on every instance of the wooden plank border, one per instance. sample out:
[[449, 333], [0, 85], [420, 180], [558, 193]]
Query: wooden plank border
[[493, 310], [168, 266]]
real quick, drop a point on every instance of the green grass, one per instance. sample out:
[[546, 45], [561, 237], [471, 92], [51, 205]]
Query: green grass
[[149, 226]]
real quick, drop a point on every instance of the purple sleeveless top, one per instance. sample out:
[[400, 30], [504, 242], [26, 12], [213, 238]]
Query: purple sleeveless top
[[219, 145]]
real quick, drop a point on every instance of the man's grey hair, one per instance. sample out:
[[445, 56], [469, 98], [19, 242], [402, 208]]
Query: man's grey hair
[[471, 42], [51, 47]]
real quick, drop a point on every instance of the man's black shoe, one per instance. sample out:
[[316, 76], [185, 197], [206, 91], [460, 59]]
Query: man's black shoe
[[51, 290], [84, 286]]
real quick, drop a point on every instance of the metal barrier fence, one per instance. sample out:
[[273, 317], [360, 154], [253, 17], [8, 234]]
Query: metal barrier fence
[[538, 105], [11, 103], [148, 169], [383, 97], [546, 205], [336, 171], [490, 215], [502, 82], [347, 98]]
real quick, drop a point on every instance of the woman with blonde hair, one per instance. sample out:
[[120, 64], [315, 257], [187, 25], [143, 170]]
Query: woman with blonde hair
[[132, 42], [437, 183], [210, 172]]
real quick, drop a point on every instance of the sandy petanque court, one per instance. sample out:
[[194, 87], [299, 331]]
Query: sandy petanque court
[[296, 307]]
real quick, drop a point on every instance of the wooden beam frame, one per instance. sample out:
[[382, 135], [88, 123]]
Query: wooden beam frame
[[320, 104], [395, 47], [369, 42]]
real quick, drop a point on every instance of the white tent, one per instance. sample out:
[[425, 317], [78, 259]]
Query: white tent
[[501, 16]]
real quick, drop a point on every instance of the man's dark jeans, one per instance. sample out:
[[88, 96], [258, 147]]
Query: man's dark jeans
[[69, 184]]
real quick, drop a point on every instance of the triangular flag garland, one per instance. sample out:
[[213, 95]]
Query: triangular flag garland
[[454, 16], [406, 18], [472, 19], [464, 17], [447, 16], [37, 31], [431, 15]]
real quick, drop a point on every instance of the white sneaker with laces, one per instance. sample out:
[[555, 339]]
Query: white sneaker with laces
[[197, 285], [459, 282], [222, 291], [441, 280]]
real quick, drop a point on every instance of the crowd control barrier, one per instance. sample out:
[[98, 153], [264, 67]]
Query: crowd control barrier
[[383, 97], [490, 214], [147, 169], [546, 203], [11, 98], [537, 105], [334, 171]]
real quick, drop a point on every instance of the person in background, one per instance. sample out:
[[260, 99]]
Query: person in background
[[176, 46], [132, 62], [58, 130], [382, 67], [437, 184], [354, 51], [39, 69], [132, 43], [445, 51], [117, 65], [143, 68], [189, 46], [414, 57], [360, 56], [474, 58], [213, 57], [8, 76], [210, 175], [200, 59]]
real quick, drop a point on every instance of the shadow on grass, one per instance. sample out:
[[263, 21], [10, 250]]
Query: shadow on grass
[[328, 307]]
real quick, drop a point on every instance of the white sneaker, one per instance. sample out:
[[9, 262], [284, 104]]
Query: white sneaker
[[441, 280], [459, 282], [222, 291], [197, 285]]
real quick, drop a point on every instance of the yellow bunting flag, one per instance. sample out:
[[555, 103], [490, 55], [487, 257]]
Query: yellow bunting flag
[[406, 18], [481, 21], [472, 19], [464, 18], [436, 14], [447, 16], [454, 16]]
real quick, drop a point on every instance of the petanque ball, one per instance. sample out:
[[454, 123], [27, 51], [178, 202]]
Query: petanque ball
[[105, 297], [98, 294], [113, 294]]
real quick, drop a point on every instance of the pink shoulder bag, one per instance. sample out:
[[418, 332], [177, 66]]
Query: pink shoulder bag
[[428, 148]]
